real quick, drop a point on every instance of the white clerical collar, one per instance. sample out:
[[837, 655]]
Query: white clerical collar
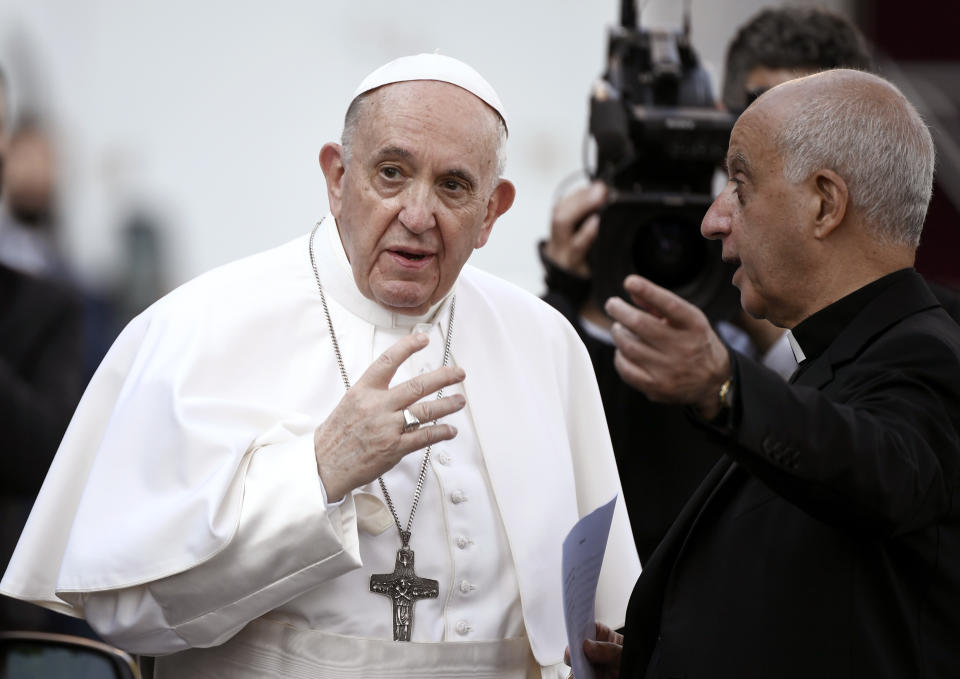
[[795, 346], [338, 282]]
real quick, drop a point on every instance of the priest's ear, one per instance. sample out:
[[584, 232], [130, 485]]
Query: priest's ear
[[831, 200], [331, 162], [499, 202]]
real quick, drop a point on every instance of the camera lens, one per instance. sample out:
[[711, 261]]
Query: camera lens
[[660, 240], [670, 252]]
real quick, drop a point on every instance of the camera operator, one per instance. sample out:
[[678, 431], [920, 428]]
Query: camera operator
[[662, 457]]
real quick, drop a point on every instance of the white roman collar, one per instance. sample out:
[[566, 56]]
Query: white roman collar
[[797, 351], [338, 282]]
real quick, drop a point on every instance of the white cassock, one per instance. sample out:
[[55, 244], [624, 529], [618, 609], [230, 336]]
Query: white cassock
[[183, 515]]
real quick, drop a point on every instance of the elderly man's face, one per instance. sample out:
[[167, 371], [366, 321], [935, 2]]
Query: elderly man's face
[[418, 193], [758, 217]]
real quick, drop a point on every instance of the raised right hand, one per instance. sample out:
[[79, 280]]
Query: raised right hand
[[363, 437]]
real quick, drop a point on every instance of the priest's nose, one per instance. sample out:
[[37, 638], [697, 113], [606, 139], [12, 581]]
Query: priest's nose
[[418, 211], [716, 222]]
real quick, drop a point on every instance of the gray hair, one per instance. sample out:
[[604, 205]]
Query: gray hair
[[357, 109], [873, 138]]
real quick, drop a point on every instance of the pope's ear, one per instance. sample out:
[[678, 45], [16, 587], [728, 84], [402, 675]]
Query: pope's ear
[[499, 202], [331, 162], [832, 201]]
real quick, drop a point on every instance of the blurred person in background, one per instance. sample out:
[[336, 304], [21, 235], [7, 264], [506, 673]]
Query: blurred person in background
[[782, 43], [28, 218], [661, 456], [41, 371], [30, 235]]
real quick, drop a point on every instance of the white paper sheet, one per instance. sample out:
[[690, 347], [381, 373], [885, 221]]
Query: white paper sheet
[[583, 551]]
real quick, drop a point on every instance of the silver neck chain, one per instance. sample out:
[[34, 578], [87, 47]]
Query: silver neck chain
[[404, 534]]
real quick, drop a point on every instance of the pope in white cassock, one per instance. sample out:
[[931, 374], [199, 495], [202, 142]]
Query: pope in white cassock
[[220, 500]]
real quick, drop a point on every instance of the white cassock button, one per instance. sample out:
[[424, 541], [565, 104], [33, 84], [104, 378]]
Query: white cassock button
[[463, 628], [443, 458], [457, 496], [422, 327], [465, 587], [462, 542]]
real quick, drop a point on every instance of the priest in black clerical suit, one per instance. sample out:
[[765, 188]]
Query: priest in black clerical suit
[[807, 552], [826, 542]]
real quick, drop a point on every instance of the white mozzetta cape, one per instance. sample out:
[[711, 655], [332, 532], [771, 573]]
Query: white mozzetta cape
[[150, 476]]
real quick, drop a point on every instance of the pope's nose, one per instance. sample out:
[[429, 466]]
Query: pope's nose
[[418, 211]]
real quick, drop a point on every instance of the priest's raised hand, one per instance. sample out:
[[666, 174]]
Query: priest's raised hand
[[365, 435], [666, 347]]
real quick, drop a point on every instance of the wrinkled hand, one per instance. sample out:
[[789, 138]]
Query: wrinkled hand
[[604, 653], [363, 437], [569, 245], [666, 347]]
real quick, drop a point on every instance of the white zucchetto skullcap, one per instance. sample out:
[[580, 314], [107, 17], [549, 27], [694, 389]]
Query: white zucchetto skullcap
[[434, 67]]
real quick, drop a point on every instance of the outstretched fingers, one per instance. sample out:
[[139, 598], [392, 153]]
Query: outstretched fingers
[[660, 302], [422, 386], [634, 325], [431, 411], [426, 435], [383, 369]]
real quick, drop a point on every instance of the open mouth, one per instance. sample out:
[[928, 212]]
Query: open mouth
[[413, 259], [406, 254]]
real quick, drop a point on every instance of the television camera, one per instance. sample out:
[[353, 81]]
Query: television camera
[[658, 138]]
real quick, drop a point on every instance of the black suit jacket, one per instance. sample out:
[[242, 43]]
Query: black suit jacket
[[827, 542]]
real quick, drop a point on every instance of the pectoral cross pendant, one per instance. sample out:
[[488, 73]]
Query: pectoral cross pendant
[[404, 587]]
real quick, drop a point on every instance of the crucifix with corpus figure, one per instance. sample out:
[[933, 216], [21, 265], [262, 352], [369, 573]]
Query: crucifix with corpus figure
[[405, 588]]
